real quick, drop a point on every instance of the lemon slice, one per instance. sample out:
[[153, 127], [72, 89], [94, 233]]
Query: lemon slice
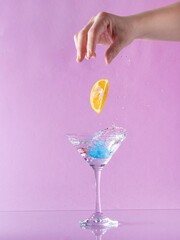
[[99, 94]]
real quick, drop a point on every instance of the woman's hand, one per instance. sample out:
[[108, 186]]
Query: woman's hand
[[117, 32], [105, 29]]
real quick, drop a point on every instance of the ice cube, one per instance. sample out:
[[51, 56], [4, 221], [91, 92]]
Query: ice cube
[[99, 150]]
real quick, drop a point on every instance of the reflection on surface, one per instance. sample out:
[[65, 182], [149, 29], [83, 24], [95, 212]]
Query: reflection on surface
[[97, 231], [61, 225]]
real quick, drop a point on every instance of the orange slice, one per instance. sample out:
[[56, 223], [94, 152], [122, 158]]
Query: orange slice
[[99, 94]]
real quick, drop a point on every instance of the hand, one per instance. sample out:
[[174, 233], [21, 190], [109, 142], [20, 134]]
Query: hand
[[162, 24], [104, 29]]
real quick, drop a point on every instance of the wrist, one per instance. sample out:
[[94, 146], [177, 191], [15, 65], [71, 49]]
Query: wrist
[[138, 26]]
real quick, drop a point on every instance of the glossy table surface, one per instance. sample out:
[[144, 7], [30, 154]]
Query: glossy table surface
[[63, 225]]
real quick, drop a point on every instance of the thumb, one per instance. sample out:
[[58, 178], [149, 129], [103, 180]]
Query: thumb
[[113, 50]]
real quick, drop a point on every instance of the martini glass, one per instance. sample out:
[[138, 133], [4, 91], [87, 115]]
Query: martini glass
[[97, 150]]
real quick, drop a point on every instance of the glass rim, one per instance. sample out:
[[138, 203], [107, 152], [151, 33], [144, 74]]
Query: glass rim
[[86, 135]]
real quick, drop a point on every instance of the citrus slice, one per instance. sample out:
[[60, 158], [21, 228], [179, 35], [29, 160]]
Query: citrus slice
[[99, 94]]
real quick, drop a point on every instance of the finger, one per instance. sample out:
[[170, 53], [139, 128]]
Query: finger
[[81, 42], [94, 33], [93, 56], [81, 46], [113, 50]]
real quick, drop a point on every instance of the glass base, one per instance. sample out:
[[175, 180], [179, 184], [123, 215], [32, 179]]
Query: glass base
[[98, 220]]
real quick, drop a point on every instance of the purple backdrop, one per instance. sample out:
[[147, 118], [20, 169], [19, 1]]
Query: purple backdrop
[[44, 94]]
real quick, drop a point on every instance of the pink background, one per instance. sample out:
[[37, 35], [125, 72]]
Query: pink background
[[44, 94]]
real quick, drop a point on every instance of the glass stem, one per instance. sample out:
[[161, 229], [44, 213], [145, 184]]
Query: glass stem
[[97, 172]]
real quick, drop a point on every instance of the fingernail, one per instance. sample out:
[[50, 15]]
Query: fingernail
[[78, 58], [110, 57], [107, 60], [89, 53]]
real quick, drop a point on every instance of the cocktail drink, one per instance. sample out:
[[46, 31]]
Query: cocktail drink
[[97, 150]]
